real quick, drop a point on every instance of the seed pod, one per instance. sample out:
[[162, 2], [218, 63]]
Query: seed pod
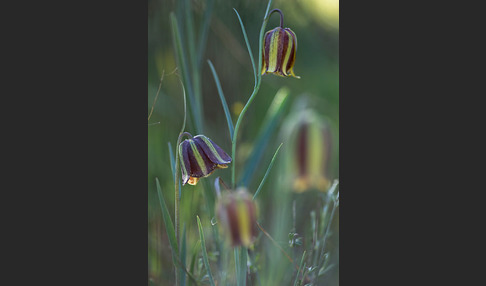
[[279, 49], [237, 214], [199, 157]]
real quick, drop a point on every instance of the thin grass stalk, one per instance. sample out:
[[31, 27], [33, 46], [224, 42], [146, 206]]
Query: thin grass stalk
[[236, 252], [204, 31], [223, 100], [182, 64], [243, 261], [204, 252], [267, 172], [298, 271], [177, 173], [196, 77]]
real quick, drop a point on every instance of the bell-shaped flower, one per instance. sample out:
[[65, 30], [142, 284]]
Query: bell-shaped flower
[[279, 49], [199, 157], [237, 214], [308, 157]]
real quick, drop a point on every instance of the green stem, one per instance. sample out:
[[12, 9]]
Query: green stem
[[281, 16], [177, 173], [255, 91]]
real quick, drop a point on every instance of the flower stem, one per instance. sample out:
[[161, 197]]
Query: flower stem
[[281, 16], [177, 173], [252, 96]]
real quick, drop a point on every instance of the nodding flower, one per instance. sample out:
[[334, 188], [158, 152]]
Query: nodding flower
[[309, 154], [237, 214], [199, 157], [279, 49]]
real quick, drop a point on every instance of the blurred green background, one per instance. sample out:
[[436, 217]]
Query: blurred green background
[[315, 22]]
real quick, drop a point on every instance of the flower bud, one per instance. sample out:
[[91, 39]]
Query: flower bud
[[199, 157], [237, 214], [279, 50]]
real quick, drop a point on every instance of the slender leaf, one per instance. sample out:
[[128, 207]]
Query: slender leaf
[[203, 34], [268, 8], [248, 46], [237, 269], [267, 172], [183, 66], [195, 250], [223, 101], [204, 252], [169, 227], [269, 125], [300, 268], [242, 266], [196, 78], [324, 270]]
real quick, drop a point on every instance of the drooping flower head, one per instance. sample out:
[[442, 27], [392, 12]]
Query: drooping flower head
[[237, 214], [308, 157], [199, 157], [279, 49]]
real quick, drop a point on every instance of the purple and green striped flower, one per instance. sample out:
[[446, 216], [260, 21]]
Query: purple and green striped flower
[[199, 157], [308, 157], [279, 49], [237, 214], [313, 149]]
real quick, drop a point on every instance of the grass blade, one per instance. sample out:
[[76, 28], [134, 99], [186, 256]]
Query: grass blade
[[183, 66], [242, 266], [169, 227], [223, 101], [237, 269], [204, 252], [191, 47], [248, 46], [204, 30], [195, 250], [270, 124], [268, 171], [300, 268]]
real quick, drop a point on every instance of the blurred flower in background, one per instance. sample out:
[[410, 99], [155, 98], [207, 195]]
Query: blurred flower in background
[[237, 214], [308, 154]]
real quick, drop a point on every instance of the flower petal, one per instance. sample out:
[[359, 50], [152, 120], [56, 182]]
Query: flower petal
[[201, 166], [184, 160], [212, 151]]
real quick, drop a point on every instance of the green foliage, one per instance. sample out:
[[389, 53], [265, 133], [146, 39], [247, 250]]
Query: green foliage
[[169, 226], [204, 252], [301, 239]]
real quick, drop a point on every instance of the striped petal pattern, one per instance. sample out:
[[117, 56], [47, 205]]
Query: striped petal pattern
[[279, 49], [237, 213], [312, 155], [308, 157], [199, 157]]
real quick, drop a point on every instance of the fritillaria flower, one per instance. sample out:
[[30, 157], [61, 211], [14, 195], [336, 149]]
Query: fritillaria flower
[[237, 214], [309, 153], [199, 157], [279, 49], [312, 155]]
